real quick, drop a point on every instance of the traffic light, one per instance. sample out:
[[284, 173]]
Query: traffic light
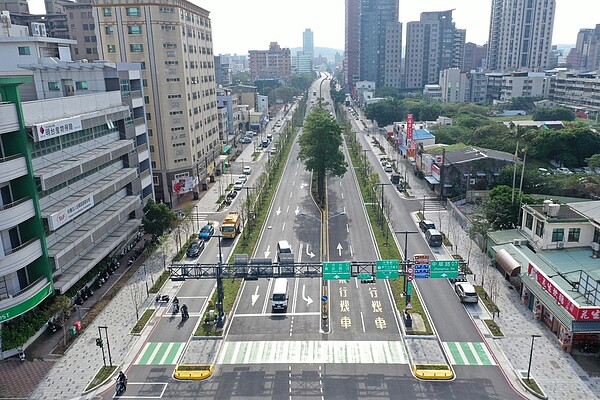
[[99, 342]]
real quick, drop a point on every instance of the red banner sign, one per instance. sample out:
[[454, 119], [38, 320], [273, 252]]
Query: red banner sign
[[579, 313], [409, 126]]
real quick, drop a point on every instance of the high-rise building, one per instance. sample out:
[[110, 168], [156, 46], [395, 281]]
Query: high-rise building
[[375, 17], [274, 63], [474, 56], [392, 72], [520, 34], [172, 40], [351, 43], [586, 54], [454, 85], [432, 44], [308, 43], [15, 6]]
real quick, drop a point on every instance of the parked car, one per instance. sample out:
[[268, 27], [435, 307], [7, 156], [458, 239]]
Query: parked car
[[242, 178], [425, 224], [195, 248], [245, 140], [466, 292], [247, 170], [388, 168], [564, 170], [238, 185], [269, 136], [206, 232]]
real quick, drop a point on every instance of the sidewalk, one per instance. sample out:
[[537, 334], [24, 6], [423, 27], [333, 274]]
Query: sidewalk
[[557, 373]]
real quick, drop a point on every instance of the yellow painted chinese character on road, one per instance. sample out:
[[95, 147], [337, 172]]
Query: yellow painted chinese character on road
[[343, 291], [376, 304], [373, 292], [344, 306], [380, 323], [345, 322]]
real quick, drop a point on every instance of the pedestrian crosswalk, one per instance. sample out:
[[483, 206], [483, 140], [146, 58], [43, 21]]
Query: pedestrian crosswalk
[[158, 353], [468, 353], [432, 204], [308, 352]]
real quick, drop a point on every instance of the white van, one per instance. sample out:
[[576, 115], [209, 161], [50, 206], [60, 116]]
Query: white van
[[283, 247], [279, 300]]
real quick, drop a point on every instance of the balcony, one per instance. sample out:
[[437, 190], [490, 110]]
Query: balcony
[[14, 305], [12, 167], [15, 213], [21, 256], [9, 119]]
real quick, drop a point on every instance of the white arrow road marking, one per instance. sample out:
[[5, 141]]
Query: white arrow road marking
[[339, 249], [297, 210], [268, 251], [307, 299], [309, 253], [303, 185], [255, 296], [278, 211]]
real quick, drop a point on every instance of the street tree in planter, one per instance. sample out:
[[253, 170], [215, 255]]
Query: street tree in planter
[[157, 218], [320, 151]]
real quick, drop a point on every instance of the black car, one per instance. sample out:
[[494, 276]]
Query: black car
[[426, 224], [195, 248]]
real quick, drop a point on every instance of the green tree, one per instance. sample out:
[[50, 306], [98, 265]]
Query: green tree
[[386, 112], [553, 114], [593, 161], [388, 91], [450, 134], [320, 144], [500, 211], [242, 78], [157, 218]]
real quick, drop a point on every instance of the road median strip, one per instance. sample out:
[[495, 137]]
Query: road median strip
[[433, 371]]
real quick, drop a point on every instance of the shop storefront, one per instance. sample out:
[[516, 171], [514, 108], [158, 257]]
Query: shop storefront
[[574, 325]]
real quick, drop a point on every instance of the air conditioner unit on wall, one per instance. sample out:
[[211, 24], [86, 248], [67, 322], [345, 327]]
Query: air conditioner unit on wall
[[560, 245]]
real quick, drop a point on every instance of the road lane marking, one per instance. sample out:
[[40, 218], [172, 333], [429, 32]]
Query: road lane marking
[[160, 353], [289, 314]]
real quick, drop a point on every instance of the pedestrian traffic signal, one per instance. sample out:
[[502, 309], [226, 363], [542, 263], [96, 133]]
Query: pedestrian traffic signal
[[99, 342]]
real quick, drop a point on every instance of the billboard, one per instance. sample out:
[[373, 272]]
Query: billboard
[[182, 185], [49, 130], [409, 127]]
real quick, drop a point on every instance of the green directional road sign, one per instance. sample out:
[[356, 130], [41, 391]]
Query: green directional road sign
[[443, 269], [386, 269], [336, 270], [364, 277]]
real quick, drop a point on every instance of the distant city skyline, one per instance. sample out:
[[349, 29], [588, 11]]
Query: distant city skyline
[[239, 26]]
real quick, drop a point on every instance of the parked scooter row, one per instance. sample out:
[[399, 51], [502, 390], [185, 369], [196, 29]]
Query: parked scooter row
[[54, 325]]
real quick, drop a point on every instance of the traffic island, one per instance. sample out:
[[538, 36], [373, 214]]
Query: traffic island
[[433, 371], [531, 385], [193, 372]]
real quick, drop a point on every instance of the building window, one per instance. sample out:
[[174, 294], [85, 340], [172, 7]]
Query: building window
[[145, 82], [112, 48], [81, 85], [151, 148], [148, 117], [53, 86], [574, 234], [133, 11], [135, 29], [558, 235], [154, 177], [107, 12], [109, 30], [136, 48], [142, 65], [125, 91], [146, 100], [529, 221], [539, 228], [24, 51]]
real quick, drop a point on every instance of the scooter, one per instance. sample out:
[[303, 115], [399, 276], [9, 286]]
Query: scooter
[[53, 326], [120, 387], [164, 298], [22, 354]]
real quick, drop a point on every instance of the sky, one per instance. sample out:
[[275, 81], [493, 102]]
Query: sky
[[242, 25]]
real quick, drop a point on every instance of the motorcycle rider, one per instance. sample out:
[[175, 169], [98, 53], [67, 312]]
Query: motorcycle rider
[[184, 312], [122, 379]]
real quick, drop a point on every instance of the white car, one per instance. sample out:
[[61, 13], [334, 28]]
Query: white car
[[247, 170], [242, 178], [238, 185], [388, 168]]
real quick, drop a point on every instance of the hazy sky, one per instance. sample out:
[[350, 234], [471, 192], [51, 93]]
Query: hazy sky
[[242, 25]]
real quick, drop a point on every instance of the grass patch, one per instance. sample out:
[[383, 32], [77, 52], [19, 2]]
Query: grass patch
[[101, 376], [493, 327], [483, 296], [159, 282], [532, 384], [230, 290], [143, 320]]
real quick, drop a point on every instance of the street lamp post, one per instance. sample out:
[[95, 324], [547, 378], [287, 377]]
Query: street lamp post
[[197, 218], [406, 257], [531, 354]]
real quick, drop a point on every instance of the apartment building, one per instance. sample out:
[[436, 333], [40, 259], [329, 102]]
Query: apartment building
[[172, 41], [525, 84], [520, 34], [275, 63], [578, 91], [432, 44], [454, 85], [351, 43]]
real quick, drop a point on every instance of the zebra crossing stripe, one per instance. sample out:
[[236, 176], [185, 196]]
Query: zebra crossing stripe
[[300, 352], [159, 353], [468, 353]]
